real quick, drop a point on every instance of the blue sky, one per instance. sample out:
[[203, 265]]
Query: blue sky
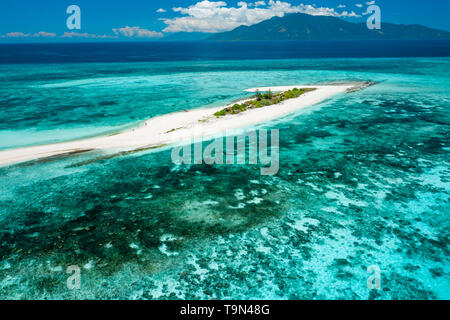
[[45, 20]]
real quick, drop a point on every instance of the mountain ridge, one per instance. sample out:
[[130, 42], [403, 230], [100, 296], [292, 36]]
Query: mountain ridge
[[300, 26]]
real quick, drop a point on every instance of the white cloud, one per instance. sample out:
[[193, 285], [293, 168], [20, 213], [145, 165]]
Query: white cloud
[[259, 3], [161, 10], [131, 32], [136, 32], [18, 35], [44, 34], [359, 5], [341, 6], [29, 35], [370, 3], [85, 35], [352, 14], [216, 16]]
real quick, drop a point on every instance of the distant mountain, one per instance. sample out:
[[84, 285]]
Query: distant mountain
[[299, 26], [186, 36]]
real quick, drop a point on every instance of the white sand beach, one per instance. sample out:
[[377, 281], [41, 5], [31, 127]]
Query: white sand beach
[[179, 127]]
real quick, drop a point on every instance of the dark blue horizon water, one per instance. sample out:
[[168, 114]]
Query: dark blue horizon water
[[38, 53]]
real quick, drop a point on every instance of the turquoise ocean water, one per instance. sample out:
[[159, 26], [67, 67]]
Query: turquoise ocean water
[[364, 180]]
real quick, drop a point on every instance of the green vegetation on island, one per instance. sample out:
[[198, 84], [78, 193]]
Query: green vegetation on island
[[263, 100]]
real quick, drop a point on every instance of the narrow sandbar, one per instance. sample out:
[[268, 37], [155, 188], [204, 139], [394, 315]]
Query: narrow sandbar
[[179, 127]]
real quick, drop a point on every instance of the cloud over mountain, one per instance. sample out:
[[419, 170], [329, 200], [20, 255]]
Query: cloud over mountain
[[217, 16]]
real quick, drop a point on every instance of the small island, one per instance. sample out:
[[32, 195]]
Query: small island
[[263, 100], [267, 103]]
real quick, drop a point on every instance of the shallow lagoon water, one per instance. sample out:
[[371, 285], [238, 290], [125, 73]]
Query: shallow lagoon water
[[364, 180]]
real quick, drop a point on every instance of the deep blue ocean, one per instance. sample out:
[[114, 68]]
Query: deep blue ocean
[[211, 50], [364, 177]]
